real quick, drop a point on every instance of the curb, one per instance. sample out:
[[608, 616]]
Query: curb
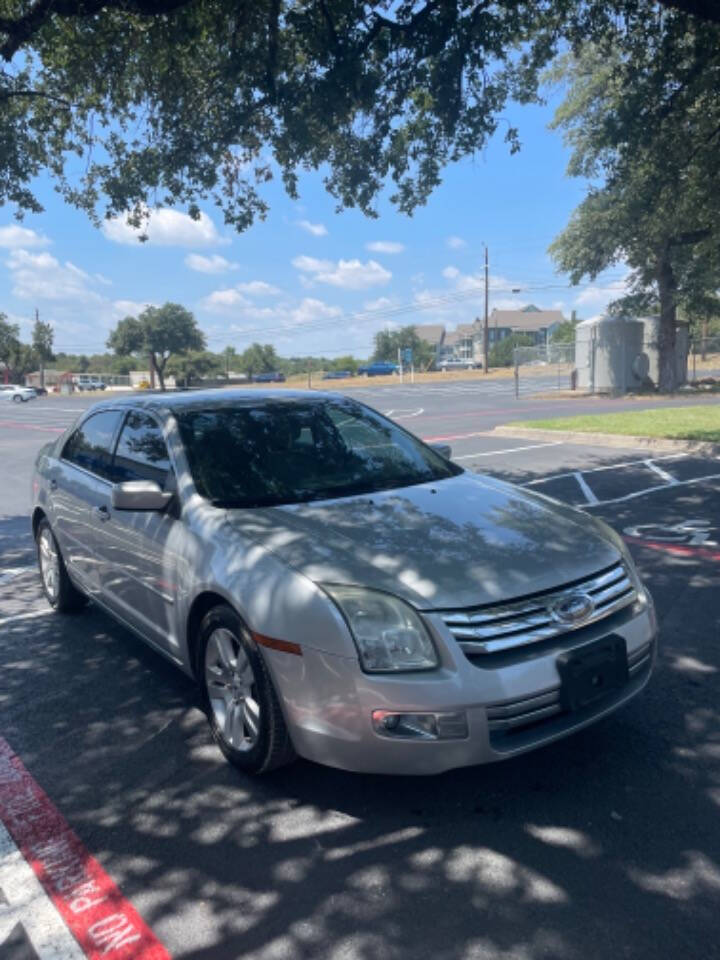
[[610, 440]]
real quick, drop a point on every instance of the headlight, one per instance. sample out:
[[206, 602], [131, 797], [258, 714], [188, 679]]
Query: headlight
[[388, 634]]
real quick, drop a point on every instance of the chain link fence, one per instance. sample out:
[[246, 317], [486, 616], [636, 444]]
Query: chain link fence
[[543, 368], [704, 358]]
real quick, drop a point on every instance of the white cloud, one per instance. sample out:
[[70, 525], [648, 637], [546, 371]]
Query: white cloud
[[310, 310], [12, 236], [450, 273], [221, 300], [347, 274], [385, 246], [39, 276], [311, 264], [455, 243], [381, 303], [316, 229], [165, 228], [129, 308], [258, 288], [212, 264], [600, 296]]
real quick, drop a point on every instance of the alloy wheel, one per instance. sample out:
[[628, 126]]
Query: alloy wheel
[[232, 690], [49, 563]]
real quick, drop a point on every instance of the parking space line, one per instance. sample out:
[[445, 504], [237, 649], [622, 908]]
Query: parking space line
[[666, 486], [609, 466], [26, 616], [587, 492], [667, 477], [92, 908], [497, 453]]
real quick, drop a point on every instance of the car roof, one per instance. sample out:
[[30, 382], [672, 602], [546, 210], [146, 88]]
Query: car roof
[[215, 399]]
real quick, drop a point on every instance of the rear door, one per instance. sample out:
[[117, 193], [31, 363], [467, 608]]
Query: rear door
[[80, 490], [140, 569]]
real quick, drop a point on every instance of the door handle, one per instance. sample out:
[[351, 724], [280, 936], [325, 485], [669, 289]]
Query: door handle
[[102, 513]]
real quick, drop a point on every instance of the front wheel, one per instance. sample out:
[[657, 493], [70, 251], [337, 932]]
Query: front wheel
[[239, 699], [57, 586], [17, 398]]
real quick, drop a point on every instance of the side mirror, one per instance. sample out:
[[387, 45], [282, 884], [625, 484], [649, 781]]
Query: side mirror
[[444, 449], [139, 495]]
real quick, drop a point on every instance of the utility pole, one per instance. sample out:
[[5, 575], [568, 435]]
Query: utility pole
[[485, 324], [42, 354]]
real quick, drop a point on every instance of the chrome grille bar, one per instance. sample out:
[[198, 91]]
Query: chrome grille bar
[[506, 626]]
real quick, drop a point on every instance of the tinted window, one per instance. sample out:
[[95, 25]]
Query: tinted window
[[90, 445], [288, 452], [141, 451]]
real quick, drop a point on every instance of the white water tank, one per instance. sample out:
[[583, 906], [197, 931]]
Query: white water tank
[[609, 354], [651, 345]]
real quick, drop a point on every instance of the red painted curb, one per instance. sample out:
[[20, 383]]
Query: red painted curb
[[676, 549], [102, 921]]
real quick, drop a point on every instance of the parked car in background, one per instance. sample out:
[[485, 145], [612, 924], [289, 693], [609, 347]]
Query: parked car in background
[[273, 377], [337, 374], [337, 588], [12, 391], [445, 365], [380, 368], [88, 381]]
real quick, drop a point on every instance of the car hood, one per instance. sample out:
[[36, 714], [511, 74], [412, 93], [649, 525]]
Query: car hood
[[461, 542]]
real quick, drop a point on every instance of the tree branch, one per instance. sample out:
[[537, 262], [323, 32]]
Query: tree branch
[[20, 29], [689, 237], [9, 94], [704, 9]]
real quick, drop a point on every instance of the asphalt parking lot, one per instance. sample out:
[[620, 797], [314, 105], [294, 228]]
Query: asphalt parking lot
[[603, 845]]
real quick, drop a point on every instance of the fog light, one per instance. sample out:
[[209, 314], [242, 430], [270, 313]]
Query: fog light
[[420, 726]]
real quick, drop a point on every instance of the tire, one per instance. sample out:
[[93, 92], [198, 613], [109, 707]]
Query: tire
[[238, 695], [57, 586], [17, 398]]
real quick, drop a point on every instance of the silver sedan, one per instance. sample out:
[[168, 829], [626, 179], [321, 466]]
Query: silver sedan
[[339, 589]]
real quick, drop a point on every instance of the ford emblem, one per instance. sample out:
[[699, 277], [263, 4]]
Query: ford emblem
[[573, 608]]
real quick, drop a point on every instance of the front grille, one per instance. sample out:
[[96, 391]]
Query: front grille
[[514, 716], [491, 629]]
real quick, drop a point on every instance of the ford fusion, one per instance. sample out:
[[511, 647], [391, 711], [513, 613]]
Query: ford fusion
[[338, 589]]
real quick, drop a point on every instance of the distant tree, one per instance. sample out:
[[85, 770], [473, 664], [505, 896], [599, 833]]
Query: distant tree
[[157, 333], [501, 353], [389, 342], [347, 362], [9, 341], [564, 332], [42, 344], [194, 365], [259, 358]]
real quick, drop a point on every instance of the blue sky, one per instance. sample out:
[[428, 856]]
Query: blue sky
[[310, 280]]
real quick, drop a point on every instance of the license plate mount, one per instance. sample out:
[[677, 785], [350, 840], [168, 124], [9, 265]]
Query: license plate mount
[[592, 671]]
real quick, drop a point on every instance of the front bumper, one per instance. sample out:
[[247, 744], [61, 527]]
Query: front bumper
[[511, 704]]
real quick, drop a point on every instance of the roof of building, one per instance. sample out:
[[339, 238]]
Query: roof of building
[[432, 333], [526, 320]]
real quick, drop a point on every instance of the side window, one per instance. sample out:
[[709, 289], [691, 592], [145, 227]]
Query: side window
[[90, 445], [141, 451]]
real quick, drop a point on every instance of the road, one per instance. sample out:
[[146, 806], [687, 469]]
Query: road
[[604, 845]]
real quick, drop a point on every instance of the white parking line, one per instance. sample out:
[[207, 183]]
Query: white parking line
[[13, 572], [658, 489], [498, 453], [27, 904], [610, 466], [26, 616], [587, 492], [667, 477]]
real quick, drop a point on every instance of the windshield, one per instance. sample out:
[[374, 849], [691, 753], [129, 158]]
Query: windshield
[[290, 451]]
